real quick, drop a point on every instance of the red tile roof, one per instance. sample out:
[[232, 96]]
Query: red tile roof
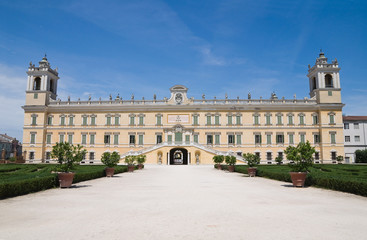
[[354, 118]]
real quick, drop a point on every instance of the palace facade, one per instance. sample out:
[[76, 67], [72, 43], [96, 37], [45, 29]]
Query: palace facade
[[181, 129]]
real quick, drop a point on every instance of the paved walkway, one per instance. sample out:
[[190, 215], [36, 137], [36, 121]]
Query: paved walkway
[[184, 202]]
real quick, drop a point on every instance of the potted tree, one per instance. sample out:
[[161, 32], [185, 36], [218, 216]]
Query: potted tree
[[340, 159], [110, 160], [302, 158], [231, 161], [67, 156], [218, 160], [279, 160], [141, 160], [252, 161], [130, 160]]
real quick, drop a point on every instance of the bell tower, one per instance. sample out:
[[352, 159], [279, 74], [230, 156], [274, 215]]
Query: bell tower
[[41, 84], [324, 80]]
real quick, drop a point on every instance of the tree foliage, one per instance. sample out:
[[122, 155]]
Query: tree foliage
[[302, 156], [218, 159], [110, 160], [67, 155], [230, 160], [252, 159], [141, 159], [361, 156], [130, 160]]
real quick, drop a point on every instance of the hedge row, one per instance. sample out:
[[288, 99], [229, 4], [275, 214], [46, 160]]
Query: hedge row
[[341, 183], [22, 187]]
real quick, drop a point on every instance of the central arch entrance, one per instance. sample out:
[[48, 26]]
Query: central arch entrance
[[178, 156]]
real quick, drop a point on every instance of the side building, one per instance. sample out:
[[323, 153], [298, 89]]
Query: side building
[[181, 129], [355, 128]]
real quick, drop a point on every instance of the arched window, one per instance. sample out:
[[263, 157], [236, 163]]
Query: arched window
[[313, 83], [37, 83], [52, 85], [328, 81]]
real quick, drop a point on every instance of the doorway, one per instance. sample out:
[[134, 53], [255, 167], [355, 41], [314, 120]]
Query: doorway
[[178, 156]]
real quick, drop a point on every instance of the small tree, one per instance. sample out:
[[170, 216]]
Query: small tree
[[130, 160], [302, 156], [339, 159], [252, 159], [361, 156], [231, 160], [218, 159], [279, 160], [141, 159], [110, 160], [67, 155]]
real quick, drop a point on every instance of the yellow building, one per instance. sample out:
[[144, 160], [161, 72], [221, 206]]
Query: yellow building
[[181, 129]]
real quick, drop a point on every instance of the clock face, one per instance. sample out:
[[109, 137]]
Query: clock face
[[178, 98]]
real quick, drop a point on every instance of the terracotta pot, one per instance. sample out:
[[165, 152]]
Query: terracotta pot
[[298, 178], [65, 179], [251, 171], [140, 166], [110, 172], [231, 168], [131, 168]]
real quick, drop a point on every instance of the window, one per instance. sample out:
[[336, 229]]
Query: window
[[268, 120], [328, 81], [257, 154], [332, 138], [269, 156], [108, 120], [268, 139], [316, 138], [71, 120], [116, 139], [217, 139], [230, 120], [346, 125], [209, 139], [70, 138], [257, 139], [216, 120], [347, 138], [132, 120], [279, 120], [62, 120], [187, 139], [280, 154], [49, 120], [290, 120], [230, 139], [37, 83], [280, 138], [159, 120], [93, 120], [256, 120], [208, 120], [159, 138], [291, 138], [34, 119], [141, 120], [196, 122], [132, 139], [106, 139], [33, 138], [31, 155], [302, 119], [48, 155], [48, 139], [85, 121], [356, 125], [333, 155], [357, 138], [315, 119], [317, 156], [238, 120], [196, 138], [91, 140], [141, 137], [61, 138], [302, 137], [332, 118], [117, 120], [84, 139], [169, 138], [238, 139], [91, 156]]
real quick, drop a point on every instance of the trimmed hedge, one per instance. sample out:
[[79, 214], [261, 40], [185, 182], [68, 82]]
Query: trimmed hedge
[[37, 183]]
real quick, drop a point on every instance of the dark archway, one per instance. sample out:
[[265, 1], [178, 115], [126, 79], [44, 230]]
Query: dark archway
[[178, 156]]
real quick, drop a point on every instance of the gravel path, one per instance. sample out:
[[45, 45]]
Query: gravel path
[[184, 202]]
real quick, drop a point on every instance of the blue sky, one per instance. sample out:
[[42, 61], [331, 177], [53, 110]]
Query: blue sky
[[212, 47]]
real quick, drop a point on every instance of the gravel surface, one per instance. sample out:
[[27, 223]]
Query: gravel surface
[[184, 202]]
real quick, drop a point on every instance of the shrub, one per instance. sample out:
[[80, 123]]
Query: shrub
[[110, 160], [141, 159], [252, 159], [67, 155], [231, 160], [361, 156], [302, 156], [130, 160], [218, 159]]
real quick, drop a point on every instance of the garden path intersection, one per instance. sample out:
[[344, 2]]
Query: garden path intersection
[[184, 202]]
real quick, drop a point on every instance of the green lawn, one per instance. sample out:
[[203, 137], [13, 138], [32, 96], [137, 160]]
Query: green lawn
[[19, 179], [346, 178]]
